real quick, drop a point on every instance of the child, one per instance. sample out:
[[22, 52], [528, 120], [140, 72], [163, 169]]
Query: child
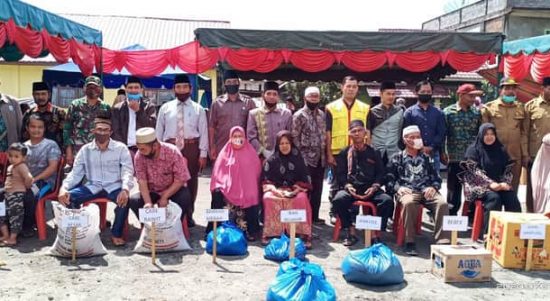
[[18, 180]]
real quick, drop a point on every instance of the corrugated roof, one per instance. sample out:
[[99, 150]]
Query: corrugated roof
[[151, 33]]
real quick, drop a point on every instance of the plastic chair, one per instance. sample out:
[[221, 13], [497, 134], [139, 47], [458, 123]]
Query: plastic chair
[[477, 224], [398, 223], [102, 203], [366, 207], [40, 212]]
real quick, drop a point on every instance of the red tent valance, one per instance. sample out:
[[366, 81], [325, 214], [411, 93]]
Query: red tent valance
[[520, 66], [36, 43], [194, 58]]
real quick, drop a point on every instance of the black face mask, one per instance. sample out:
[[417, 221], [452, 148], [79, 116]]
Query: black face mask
[[424, 98], [232, 89], [182, 96], [312, 105], [102, 138]]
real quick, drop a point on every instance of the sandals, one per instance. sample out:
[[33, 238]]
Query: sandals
[[4, 244], [118, 241], [265, 241], [250, 237]]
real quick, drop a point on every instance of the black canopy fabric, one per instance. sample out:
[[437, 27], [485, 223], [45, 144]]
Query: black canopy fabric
[[350, 41]]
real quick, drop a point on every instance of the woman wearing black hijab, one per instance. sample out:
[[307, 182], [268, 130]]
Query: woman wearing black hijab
[[488, 175]]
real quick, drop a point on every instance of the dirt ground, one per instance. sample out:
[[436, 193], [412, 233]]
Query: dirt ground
[[29, 274]]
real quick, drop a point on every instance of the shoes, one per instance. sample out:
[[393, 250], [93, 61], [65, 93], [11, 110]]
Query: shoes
[[410, 249], [250, 237], [349, 239]]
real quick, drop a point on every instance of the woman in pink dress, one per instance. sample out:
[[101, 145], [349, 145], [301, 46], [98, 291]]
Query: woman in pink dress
[[285, 183], [235, 182]]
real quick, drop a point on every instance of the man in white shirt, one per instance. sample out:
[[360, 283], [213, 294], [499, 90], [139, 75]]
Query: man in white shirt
[[183, 123], [109, 171]]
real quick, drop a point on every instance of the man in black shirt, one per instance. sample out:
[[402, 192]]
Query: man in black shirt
[[360, 171]]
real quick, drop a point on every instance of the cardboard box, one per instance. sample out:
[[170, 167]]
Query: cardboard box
[[508, 249], [461, 263]]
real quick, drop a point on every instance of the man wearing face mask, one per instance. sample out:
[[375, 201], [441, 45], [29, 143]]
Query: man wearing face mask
[[182, 122], [509, 117], [79, 123], [228, 110], [162, 174], [264, 123], [429, 119], [412, 178], [134, 113], [309, 135], [53, 116], [107, 166], [385, 122]]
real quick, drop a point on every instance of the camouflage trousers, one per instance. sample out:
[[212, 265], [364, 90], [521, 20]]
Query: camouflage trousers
[[15, 211]]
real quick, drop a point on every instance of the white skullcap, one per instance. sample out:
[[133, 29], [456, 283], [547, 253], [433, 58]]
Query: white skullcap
[[145, 135], [310, 90], [410, 129]]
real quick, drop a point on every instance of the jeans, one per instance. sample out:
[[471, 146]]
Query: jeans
[[81, 194]]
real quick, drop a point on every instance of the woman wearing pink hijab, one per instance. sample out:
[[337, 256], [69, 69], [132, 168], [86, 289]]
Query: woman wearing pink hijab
[[540, 178], [235, 182]]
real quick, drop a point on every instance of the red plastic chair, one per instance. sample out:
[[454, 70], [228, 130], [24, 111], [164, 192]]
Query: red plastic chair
[[102, 203], [477, 224], [40, 212], [4, 162], [398, 224], [366, 207]]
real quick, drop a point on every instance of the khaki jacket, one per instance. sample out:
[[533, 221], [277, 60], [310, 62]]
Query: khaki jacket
[[511, 124], [538, 123]]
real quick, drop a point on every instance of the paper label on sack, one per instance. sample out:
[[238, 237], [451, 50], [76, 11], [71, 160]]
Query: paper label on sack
[[71, 219], [368, 222], [293, 216], [532, 231], [152, 215], [2, 208], [455, 223], [216, 215]]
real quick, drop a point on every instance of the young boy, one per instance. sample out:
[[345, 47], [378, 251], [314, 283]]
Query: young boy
[[18, 180]]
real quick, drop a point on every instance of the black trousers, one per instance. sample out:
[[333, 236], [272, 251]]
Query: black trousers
[[454, 188], [343, 202], [317, 175], [182, 197], [250, 213], [494, 200]]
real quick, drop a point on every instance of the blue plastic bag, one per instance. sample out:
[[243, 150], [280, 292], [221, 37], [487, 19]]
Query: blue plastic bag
[[298, 280], [278, 249], [376, 265], [230, 239]]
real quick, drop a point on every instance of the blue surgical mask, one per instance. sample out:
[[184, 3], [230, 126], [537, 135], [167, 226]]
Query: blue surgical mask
[[134, 97], [508, 98]]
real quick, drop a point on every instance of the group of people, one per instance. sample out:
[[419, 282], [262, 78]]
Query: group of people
[[269, 159]]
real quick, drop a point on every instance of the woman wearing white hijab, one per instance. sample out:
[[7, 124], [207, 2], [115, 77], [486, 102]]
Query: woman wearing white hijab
[[540, 178]]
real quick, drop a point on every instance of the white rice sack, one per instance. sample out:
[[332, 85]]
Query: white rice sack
[[168, 235], [88, 242]]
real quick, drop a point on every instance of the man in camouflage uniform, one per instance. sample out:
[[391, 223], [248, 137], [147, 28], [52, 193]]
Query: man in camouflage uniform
[[79, 124], [53, 116]]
